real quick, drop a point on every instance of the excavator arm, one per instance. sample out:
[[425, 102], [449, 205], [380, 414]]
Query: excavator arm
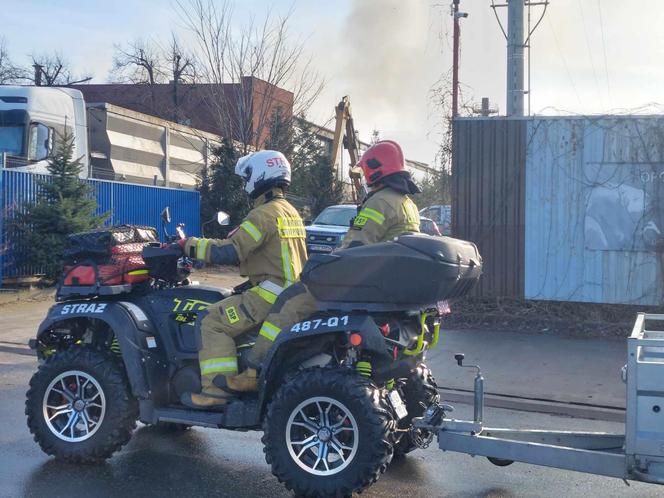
[[344, 132]]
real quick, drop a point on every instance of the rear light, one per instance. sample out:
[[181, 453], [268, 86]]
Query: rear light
[[355, 339], [443, 308], [385, 329]]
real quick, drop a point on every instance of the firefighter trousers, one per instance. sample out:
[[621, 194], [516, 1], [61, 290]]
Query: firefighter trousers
[[294, 304], [225, 321]]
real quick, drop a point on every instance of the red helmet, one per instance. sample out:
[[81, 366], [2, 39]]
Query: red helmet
[[380, 160]]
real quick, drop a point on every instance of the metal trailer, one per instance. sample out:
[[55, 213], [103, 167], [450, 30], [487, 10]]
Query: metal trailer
[[638, 454]]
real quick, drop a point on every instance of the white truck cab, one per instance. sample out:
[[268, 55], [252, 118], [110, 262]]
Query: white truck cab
[[30, 119]]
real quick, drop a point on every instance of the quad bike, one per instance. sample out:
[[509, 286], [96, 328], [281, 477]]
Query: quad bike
[[337, 392]]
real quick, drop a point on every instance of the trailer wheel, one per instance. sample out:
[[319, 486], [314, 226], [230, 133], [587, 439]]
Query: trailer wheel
[[79, 406], [420, 389], [500, 462], [326, 433]]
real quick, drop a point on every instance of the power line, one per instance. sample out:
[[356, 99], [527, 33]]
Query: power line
[[562, 56], [590, 53], [606, 64]]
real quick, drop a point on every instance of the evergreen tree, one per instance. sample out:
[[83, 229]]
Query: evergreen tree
[[222, 190], [313, 180], [64, 205], [313, 186], [436, 189]]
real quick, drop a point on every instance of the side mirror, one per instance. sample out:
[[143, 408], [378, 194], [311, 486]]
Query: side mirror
[[166, 215], [180, 231], [307, 223], [40, 142], [223, 218]]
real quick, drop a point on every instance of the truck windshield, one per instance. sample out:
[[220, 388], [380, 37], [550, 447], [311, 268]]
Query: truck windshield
[[11, 140], [339, 216]]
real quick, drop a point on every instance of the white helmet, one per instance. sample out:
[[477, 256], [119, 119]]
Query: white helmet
[[263, 170]]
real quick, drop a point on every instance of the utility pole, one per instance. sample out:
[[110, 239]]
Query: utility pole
[[515, 57], [455, 56]]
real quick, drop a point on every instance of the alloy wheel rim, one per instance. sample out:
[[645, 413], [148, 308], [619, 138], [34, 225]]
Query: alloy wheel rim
[[74, 406], [322, 436]]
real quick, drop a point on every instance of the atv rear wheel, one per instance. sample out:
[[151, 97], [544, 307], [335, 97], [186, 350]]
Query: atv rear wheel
[[420, 389], [327, 433], [79, 406]]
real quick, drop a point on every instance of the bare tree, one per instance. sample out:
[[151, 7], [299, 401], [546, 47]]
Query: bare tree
[[437, 187], [47, 70], [181, 63], [150, 63], [53, 70], [140, 61], [440, 97], [259, 57], [182, 67], [9, 72]]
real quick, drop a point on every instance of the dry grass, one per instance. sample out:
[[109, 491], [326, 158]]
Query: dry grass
[[548, 317]]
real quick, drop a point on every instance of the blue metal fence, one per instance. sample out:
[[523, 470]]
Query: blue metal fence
[[126, 203]]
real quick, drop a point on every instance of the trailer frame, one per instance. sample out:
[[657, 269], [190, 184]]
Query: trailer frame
[[637, 455]]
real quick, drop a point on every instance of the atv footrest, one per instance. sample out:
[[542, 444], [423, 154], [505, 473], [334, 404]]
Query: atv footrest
[[189, 417], [241, 414]]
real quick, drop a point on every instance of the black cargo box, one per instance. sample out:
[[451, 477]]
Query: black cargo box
[[411, 271]]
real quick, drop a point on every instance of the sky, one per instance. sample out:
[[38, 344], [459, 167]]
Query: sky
[[588, 56]]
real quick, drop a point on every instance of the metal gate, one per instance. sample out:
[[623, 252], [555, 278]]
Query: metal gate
[[126, 203]]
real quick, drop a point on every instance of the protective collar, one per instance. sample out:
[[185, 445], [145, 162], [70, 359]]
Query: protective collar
[[270, 195], [401, 182]]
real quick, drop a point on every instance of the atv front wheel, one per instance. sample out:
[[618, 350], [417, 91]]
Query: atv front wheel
[[420, 391], [327, 433], [79, 406]]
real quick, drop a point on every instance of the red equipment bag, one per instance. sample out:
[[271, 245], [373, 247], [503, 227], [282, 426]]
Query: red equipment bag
[[108, 256]]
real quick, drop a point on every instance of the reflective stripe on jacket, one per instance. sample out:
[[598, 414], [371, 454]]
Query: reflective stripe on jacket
[[383, 215], [270, 243]]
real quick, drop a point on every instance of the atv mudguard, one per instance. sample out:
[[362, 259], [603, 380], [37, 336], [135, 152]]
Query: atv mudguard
[[119, 316], [276, 364]]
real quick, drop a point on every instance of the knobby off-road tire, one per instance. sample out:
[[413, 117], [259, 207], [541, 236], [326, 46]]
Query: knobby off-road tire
[[352, 408], [84, 373], [420, 388]]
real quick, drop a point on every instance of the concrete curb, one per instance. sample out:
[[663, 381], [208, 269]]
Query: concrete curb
[[576, 410]]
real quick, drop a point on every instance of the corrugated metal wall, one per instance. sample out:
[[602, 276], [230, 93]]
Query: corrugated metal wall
[[127, 203], [488, 198], [566, 209], [593, 206], [143, 149]]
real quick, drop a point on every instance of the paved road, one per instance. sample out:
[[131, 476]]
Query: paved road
[[204, 462], [570, 370]]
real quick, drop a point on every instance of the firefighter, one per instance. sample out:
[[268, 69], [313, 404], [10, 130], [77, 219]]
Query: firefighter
[[269, 247], [386, 212]]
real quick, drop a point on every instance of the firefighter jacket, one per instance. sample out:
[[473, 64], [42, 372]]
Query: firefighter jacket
[[384, 214], [269, 243]]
